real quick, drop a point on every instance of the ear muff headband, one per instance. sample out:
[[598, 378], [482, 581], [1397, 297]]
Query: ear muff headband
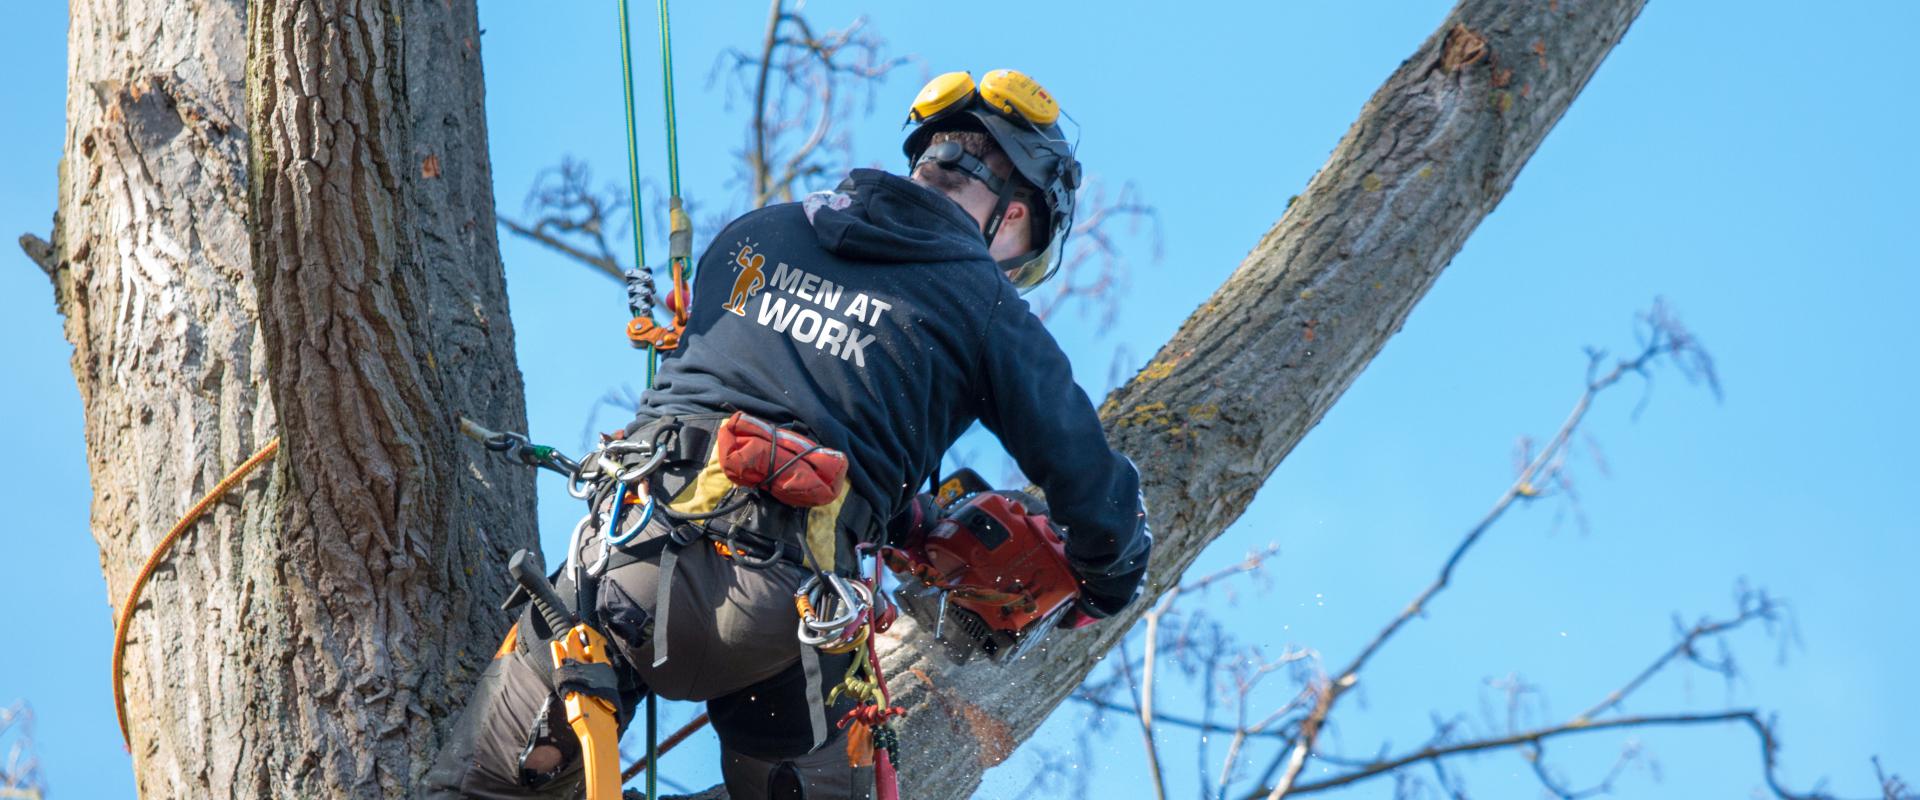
[[1010, 92]]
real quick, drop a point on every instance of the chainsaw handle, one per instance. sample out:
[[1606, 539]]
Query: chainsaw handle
[[545, 599]]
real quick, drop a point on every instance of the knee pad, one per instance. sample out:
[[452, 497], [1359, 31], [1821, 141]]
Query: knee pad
[[549, 729]]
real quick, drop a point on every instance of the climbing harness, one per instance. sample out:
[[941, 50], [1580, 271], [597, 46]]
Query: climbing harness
[[617, 482], [158, 555]]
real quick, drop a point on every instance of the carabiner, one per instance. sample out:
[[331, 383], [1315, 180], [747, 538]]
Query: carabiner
[[636, 474], [848, 603]]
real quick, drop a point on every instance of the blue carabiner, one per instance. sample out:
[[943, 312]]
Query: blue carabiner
[[614, 536]]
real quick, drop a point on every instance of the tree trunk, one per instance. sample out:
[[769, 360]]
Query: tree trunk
[[1261, 361], [279, 220]]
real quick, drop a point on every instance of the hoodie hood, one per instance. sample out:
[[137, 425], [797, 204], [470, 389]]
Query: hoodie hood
[[875, 216]]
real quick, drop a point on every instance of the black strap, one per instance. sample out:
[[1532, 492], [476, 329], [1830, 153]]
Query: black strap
[[590, 678], [693, 434], [999, 215], [761, 551], [952, 155]]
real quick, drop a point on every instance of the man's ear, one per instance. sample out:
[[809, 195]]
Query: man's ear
[[1017, 211]]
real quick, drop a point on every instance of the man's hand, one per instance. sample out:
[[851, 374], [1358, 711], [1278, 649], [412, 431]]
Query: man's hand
[[914, 521], [1080, 616], [1087, 610]]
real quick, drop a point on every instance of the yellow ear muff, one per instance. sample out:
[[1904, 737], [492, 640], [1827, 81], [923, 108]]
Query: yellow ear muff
[[1012, 92], [941, 93]]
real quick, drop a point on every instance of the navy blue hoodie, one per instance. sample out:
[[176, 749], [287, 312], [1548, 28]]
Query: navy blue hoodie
[[874, 317]]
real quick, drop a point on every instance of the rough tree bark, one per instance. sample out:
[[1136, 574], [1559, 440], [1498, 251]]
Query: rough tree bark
[[1261, 361], [278, 219]]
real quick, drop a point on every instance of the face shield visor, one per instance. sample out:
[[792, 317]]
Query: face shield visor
[[1033, 269]]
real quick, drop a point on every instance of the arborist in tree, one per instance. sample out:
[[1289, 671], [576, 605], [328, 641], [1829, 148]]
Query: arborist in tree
[[835, 348]]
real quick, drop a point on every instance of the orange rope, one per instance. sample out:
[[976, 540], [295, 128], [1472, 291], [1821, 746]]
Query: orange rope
[[153, 562]]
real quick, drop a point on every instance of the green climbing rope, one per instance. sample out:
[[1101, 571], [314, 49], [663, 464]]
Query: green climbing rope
[[633, 145], [680, 235], [633, 165], [673, 126]]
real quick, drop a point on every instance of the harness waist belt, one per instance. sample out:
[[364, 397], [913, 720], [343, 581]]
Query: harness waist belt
[[690, 445]]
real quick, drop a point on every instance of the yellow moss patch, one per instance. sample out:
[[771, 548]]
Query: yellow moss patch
[[1154, 413], [1204, 412], [1371, 182]]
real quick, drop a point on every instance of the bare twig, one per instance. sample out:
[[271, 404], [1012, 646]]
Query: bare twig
[[1175, 720], [1146, 706], [818, 69], [1662, 337], [571, 217], [606, 265], [757, 158], [1143, 699], [1891, 787], [1095, 272], [20, 774], [1763, 731], [1752, 606], [1536, 758]]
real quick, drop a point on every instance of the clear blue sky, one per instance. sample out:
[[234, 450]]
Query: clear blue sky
[[1751, 166]]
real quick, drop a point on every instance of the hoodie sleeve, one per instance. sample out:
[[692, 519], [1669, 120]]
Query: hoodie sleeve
[[1030, 401]]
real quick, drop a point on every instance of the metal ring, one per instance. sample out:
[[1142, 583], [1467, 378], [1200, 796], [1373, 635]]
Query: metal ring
[[635, 474], [505, 441], [586, 477]]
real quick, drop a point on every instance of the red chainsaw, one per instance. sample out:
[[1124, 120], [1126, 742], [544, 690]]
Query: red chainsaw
[[985, 570]]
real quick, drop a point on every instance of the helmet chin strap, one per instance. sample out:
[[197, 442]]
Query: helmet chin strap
[[999, 215], [950, 155]]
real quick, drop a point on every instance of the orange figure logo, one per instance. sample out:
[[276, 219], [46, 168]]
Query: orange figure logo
[[748, 281]]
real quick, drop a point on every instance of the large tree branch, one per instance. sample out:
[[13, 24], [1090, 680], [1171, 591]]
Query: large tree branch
[[1260, 362]]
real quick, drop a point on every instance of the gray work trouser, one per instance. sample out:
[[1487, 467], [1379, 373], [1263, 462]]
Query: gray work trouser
[[730, 640]]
